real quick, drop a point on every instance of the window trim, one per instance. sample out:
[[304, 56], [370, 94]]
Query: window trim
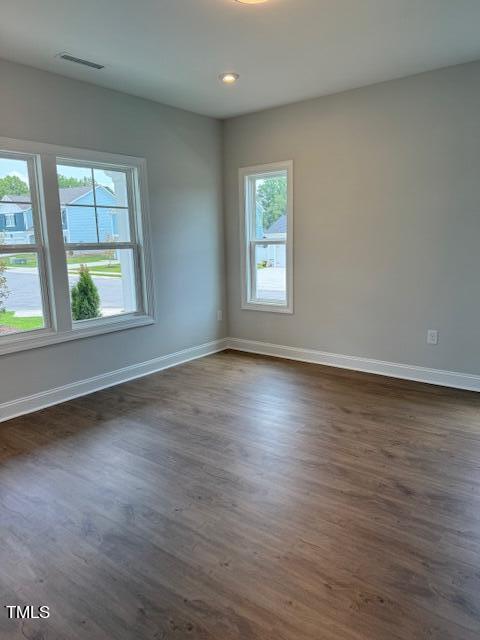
[[245, 174], [50, 244]]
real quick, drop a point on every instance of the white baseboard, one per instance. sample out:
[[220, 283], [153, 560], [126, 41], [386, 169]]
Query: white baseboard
[[66, 392], [28, 404], [440, 377]]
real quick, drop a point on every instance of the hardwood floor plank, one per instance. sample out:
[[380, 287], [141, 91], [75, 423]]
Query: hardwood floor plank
[[243, 497]]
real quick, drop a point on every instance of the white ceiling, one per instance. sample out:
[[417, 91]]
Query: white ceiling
[[172, 51]]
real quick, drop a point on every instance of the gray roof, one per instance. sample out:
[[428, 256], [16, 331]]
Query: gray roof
[[279, 226], [67, 195], [18, 200]]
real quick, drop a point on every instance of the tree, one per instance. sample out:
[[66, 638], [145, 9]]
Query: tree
[[85, 297], [4, 290], [12, 186], [272, 196], [65, 182]]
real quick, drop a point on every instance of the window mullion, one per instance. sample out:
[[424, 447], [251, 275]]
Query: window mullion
[[140, 292], [95, 204], [133, 221], [271, 241], [56, 258], [92, 246], [20, 248], [253, 271], [48, 311]]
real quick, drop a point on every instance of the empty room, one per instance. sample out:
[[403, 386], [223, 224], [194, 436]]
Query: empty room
[[240, 320]]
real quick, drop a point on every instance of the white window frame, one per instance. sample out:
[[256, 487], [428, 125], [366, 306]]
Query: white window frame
[[247, 175], [51, 249], [135, 231], [10, 222]]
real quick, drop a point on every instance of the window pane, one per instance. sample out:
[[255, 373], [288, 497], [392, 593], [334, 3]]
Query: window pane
[[16, 224], [112, 184], [113, 225], [16, 220], [90, 215], [75, 189], [14, 177], [79, 224], [74, 177], [107, 283], [21, 306], [271, 207], [270, 272]]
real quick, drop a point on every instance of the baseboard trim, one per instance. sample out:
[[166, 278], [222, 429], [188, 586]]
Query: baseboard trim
[[28, 404], [439, 377]]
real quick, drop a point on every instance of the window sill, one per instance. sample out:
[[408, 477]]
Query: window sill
[[268, 307], [46, 337]]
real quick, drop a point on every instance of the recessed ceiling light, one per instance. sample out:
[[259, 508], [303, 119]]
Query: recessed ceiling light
[[251, 1], [229, 77]]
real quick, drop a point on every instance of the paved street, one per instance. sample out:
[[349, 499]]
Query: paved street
[[271, 284], [25, 290]]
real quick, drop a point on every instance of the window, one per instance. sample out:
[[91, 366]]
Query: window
[[23, 295], [100, 235], [9, 220], [267, 233], [75, 261]]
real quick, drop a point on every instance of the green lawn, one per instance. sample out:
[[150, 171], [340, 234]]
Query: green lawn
[[107, 270], [8, 319], [31, 259], [113, 269], [89, 257]]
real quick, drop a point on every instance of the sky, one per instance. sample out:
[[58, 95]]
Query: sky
[[10, 167], [13, 168]]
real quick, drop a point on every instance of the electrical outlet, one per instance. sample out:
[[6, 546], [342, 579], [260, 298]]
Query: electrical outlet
[[432, 336], [219, 315]]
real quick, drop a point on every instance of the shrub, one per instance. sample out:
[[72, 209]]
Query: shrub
[[85, 298]]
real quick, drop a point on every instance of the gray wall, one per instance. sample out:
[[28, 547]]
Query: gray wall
[[183, 153], [387, 219]]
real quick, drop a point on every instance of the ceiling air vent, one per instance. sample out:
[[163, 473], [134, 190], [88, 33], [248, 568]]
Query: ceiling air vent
[[86, 63]]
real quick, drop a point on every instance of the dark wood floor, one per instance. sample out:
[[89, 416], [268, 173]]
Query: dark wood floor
[[242, 497]]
